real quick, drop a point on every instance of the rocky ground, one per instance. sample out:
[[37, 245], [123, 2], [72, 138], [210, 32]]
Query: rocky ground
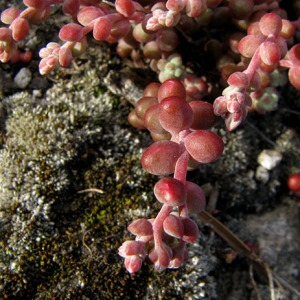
[[67, 132]]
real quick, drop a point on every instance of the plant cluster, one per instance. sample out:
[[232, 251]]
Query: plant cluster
[[182, 143], [259, 47]]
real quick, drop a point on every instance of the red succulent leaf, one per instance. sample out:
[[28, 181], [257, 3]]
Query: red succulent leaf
[[173, 226], [269, 53], [88, 14], [71, 7], [204, 146], [294, 55], [248, 44], [71, 32], [64, 56], [20, 29], [102, 28], [140, 227], [10, 14], [125, 7], [191, 231], [238, 79], [195, 197], [160, 158], [294, 77], [270, 24], [171, 87], [5, 34], [170, 191], [133, 263]]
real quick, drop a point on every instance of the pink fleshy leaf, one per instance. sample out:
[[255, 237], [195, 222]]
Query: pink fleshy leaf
[[47, 64], [220, 106], [238, 79], [125, 7], [233, 106], [5, 34], [193, 8], [20, 29], [64, 56], [180, 256], [160, 158], [195, 197], [120, 29], [173, 226], [294, 55], [175, 5], [37, 16], [270, 24], [161, 257], [191, 231], [232, 121], [269, 53], [71, 32], [132, 248], [10, 14], [294, 77], [51, 47], [140, 227], [170, 191], [88, 14], [71, 7], [133, 263], [102, 28], [248, 44], [204, 146]]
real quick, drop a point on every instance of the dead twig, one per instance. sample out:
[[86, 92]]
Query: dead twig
[[91, 190]]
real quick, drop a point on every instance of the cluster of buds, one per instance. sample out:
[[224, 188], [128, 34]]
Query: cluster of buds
[[265, 47], [183, 142]]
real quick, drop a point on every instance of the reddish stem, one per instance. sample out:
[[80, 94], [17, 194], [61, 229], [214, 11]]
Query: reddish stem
[[253, 65], [158, 224], [181, 167]]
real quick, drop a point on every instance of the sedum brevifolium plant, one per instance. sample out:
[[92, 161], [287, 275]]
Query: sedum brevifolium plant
[[251, 60]]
